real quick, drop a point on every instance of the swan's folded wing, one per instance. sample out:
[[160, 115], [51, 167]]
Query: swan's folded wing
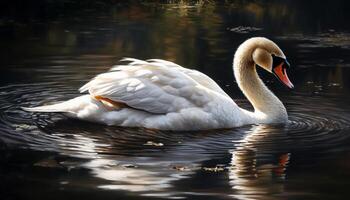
[[152, 87], [199, 77], [205, 81]]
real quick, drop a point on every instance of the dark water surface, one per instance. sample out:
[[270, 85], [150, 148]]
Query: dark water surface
[[47, 58]]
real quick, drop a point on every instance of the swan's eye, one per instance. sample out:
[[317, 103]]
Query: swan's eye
[[278, 61]]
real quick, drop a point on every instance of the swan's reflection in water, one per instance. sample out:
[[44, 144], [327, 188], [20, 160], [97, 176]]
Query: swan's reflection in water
[[124, 160], [248, 162], [257, 172], [135, 178]]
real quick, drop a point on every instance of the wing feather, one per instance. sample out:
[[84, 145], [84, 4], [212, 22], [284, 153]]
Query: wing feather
[[155, 86]]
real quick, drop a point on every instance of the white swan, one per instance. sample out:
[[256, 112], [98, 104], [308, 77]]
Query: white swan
[[163, 95]]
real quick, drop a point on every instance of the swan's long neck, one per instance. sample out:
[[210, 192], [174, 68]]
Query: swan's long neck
[[268, 108]]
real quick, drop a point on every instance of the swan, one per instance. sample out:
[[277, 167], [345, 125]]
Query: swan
[[162, 95]]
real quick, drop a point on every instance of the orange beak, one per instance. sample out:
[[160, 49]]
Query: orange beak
[[281, 73]]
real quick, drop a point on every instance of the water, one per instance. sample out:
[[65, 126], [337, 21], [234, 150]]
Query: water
[[47, 58]]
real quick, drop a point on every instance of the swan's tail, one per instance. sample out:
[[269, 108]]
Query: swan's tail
[[70, 106], [60, 107]]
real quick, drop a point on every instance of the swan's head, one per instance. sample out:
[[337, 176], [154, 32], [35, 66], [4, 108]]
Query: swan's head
[[270, 57]]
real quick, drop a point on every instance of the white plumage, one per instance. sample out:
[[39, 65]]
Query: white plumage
[[156, 94]]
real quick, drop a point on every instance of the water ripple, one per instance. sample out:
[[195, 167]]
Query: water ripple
[[252, 156]]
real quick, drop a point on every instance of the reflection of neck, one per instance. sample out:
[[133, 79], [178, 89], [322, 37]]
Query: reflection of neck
[[245, 164], [267, 106]]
